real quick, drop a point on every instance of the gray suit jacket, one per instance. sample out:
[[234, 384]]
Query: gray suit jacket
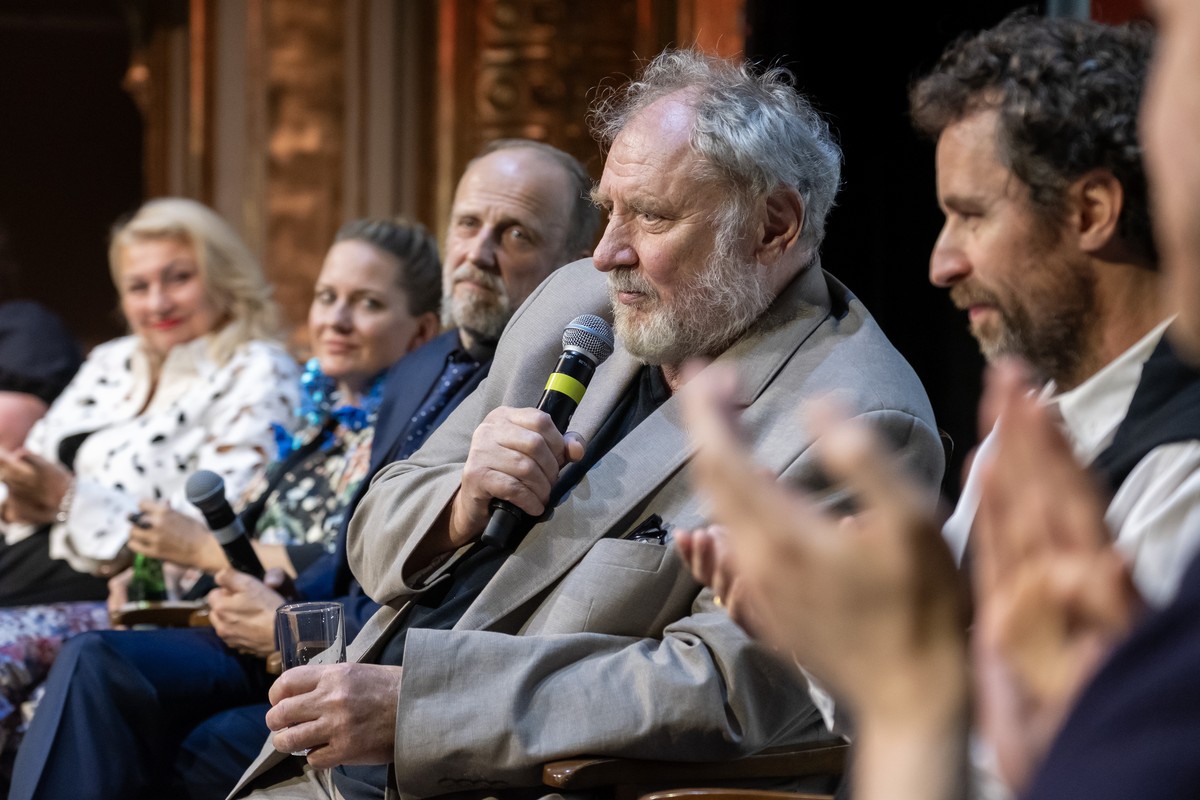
[[585, 642]]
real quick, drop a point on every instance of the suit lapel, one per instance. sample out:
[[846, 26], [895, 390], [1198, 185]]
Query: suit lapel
[[602, 395], [638, 466], [420, 368], [784, 328]]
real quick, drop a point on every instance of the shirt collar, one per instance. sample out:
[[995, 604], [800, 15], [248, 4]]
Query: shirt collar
[[1092, 410]]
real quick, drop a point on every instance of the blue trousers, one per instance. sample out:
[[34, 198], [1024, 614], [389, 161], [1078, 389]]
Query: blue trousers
[[130, 714]]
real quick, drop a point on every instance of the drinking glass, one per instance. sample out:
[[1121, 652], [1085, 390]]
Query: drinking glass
[[310, 633]]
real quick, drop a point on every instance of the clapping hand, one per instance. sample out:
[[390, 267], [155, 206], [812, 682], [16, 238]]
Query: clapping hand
[[871, 604], [843, 595], [1052, 595]]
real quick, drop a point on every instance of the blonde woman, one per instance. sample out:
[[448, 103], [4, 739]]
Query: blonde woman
[[195, 385]]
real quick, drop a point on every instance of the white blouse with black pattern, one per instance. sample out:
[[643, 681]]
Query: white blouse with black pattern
[[203, 415]]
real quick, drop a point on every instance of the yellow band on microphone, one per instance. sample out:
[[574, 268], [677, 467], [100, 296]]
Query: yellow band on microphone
[[565, 384]]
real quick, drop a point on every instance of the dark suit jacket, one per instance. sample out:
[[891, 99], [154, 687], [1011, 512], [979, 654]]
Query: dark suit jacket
[[408, 383]]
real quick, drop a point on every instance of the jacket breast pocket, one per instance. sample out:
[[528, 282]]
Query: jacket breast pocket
[[620, 587]]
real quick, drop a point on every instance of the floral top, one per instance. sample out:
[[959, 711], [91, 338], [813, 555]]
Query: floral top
[[203, 415], [306, 504]]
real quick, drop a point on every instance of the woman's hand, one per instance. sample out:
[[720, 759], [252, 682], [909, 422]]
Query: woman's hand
[[36, 487], [158, 531]]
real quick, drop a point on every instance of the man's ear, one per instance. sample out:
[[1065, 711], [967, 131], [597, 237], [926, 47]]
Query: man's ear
[[1100, 198], [783, 218], [428, 326]]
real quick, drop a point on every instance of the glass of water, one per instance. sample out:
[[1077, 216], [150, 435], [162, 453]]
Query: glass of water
[[310, 633]]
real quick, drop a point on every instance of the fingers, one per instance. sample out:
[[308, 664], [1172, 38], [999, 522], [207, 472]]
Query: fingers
[[1034, 494], [118, 590], [343, 713], [275, 578], [297, 714], [233, 580], [696, 550], [143, 537], [709, 410], [710, 417], [16, 470], [1000, 540], [575, 446], [240, 598], [515, 455], [999, 382], [853, 454], [292, 683], [109, 569], [746, 500], [1103, 592]]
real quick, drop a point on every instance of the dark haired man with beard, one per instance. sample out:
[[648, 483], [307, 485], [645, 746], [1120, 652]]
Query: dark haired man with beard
[[521, 210], [1047, 246], [1102, 697], [589, 636]]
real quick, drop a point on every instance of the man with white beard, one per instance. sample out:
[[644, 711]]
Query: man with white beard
[[588, 635]]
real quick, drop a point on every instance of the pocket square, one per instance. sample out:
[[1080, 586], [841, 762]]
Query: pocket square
[[651, 530]]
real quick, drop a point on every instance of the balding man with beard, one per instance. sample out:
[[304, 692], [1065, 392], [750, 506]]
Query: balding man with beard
[[588, 635]]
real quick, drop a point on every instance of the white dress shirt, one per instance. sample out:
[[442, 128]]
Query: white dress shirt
[[1155, 515]]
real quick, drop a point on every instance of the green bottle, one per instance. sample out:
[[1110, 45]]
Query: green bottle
[[147, 582]]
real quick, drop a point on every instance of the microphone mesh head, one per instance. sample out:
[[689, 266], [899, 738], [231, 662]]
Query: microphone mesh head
[[590, 335], [202, 486]]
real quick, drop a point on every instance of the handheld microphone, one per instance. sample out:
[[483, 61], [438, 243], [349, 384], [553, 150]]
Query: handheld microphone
[[206, 491], [587, 341]]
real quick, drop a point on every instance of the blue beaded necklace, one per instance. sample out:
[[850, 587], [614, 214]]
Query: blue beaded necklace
[[319, 400]]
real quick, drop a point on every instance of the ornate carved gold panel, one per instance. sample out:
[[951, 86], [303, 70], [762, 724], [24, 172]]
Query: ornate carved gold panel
[[290, 117], [531, 67]]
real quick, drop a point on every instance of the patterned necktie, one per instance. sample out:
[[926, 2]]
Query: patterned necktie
[[453, 377]]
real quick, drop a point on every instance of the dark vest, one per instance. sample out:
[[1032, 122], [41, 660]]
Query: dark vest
[[1165, 409]]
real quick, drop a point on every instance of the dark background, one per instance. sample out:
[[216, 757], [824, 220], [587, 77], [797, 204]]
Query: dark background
[[70, 154], [856, 62]]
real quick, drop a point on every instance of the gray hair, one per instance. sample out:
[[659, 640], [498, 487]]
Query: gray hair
[[754, 130]]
